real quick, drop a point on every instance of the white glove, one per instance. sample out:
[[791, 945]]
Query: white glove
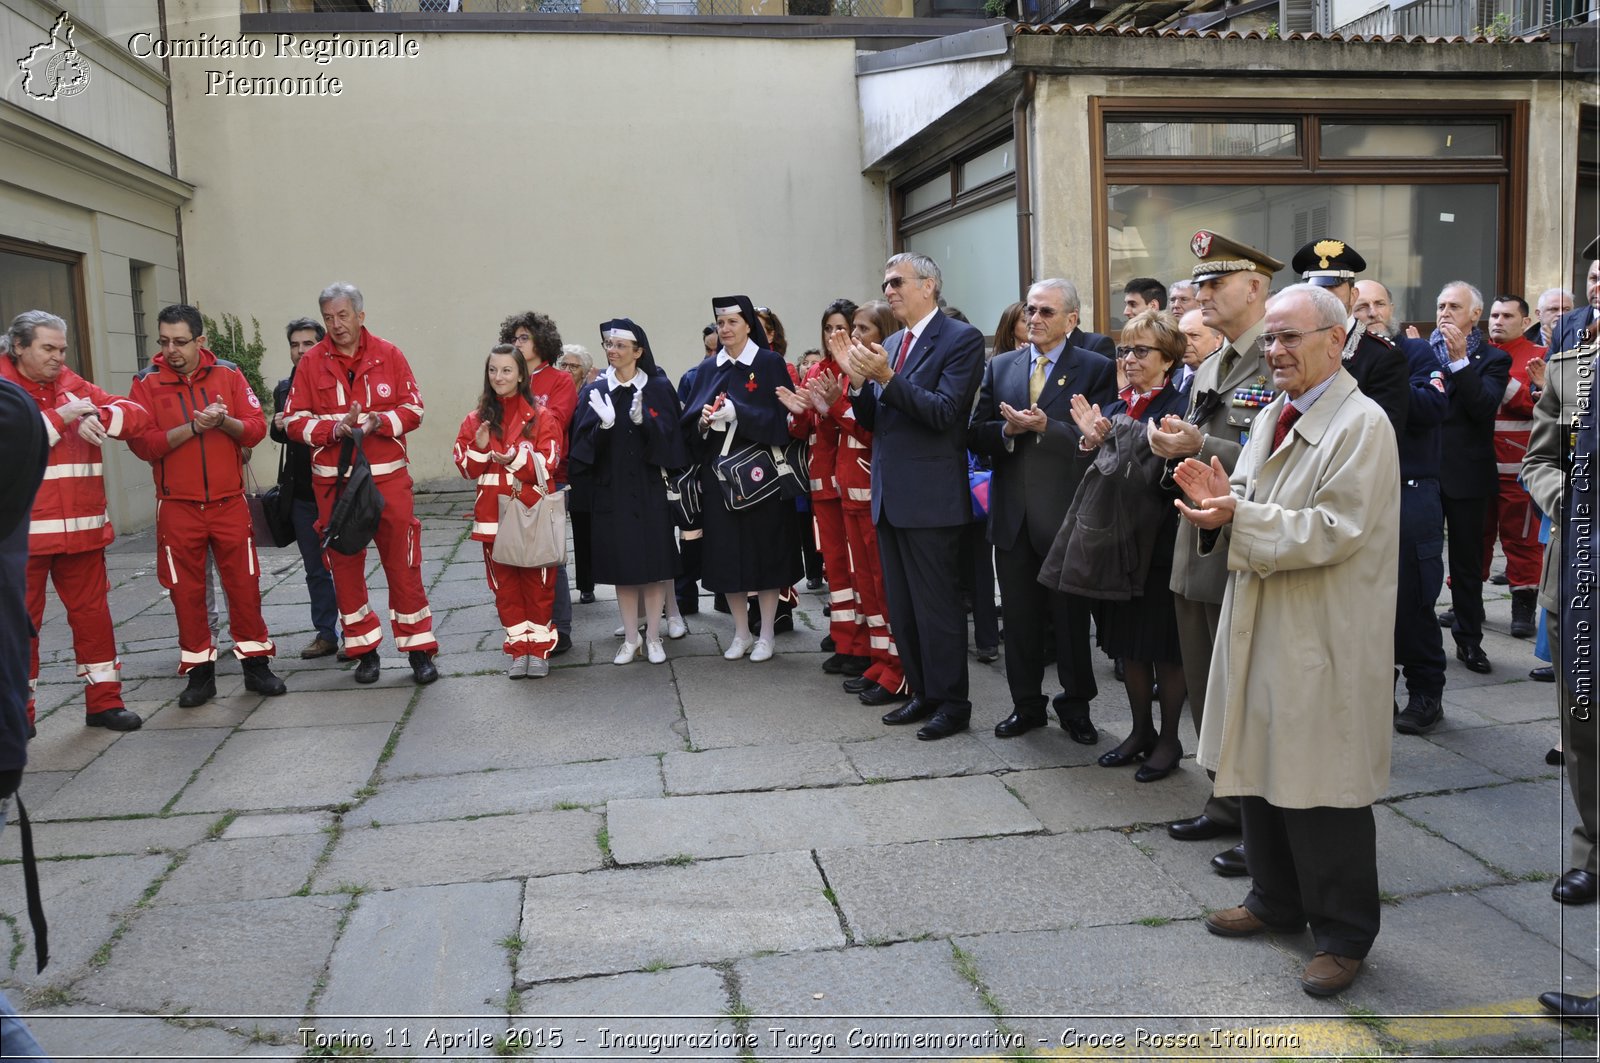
[[724, 416], [600, 403], [636, 411]]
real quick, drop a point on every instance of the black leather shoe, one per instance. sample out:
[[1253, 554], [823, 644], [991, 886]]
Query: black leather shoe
[[258, 678], [828, 645], [1474, 658], [587, 598], [856, 665], [367, 667], [1545, 674], [912, 711], [1421, 715], [202, 686], [1019, 723], [1198, 829], [1447, 618], [1555, 758], [1570, 1007], [563, 644], [118, 719], [422, 667], [1577, 886], [988, 654], [1230, 862], [1117, 670], [1149, 773], [1121, 757], [876, 695], [834, 665], [943, 725], [858, 684], [1081, 730]]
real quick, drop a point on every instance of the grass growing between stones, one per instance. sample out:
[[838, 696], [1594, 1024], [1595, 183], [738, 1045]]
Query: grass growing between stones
[[967, 969], [218, 828], [602, 838], [1153, 920], [15, 952], [334, 831], [102, 955]]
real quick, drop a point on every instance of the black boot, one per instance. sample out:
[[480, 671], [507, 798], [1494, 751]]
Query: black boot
[[202, 686], [422, 667], [1523, 604], [258, 677]]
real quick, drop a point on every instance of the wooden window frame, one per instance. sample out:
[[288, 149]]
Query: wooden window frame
[[78, 323], [1509, 172], [958, 203]]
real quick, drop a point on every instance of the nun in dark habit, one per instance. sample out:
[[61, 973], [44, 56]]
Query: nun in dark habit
[[752, 549], [624, 433]]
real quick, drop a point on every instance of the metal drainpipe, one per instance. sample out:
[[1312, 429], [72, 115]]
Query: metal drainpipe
[[1019, 135]]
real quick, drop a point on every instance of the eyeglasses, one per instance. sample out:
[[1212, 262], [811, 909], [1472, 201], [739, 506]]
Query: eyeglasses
[[168, 341], [569, 365], [896, 283], [522, 337], [1138, 350], [1043, 313], [1289, 339]]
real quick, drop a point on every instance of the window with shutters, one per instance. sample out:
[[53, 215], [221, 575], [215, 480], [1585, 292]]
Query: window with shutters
[[1428, 191]]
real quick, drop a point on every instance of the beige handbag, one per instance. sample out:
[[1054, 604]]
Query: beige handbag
[[532, 536]]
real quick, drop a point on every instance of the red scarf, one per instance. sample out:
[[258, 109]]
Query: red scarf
[[1137, 403]]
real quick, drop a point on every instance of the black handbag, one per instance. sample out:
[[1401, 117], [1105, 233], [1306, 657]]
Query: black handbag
[[754, 473], [359, 504], [272, 510], [683, 496]]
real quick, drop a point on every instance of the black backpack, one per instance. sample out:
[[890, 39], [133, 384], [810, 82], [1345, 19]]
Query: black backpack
[[358, 505]]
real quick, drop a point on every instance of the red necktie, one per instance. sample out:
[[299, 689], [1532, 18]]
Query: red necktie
[[1288, 417], [905, 349]]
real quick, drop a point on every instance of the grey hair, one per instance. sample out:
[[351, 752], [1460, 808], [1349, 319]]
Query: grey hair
[[1178, 286], [924, 267], [1069, 292], [23, 326], [341, 290], [1329, 309], [1477, 296], [580, 352], [1559, 292]]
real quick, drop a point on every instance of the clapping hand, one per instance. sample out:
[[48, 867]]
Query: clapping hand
[[796, 402], [1173, 437], [826, 390], [1455, 341], [1537, 372], [211, 416], [1018, 421], [636, 410], [1208, 488], [480, 439], [502, 457], [868, 362], [1087, 416], [600, 403]]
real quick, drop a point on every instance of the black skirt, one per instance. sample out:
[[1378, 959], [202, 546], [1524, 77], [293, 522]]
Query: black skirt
[[1143, 628], [753, 549]]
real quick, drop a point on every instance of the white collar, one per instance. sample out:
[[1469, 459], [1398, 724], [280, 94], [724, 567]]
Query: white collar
[[921, 326], [612, 383], [746, 356]]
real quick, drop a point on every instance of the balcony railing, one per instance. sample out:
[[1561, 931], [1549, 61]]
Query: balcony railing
[[856, 8], [1467, 18]]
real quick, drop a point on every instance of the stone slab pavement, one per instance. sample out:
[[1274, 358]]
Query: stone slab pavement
[[718, 860]]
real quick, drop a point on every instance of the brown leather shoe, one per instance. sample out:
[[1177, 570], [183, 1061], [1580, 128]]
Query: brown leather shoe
[[1241, 922], [1328, 974], [319, 647]]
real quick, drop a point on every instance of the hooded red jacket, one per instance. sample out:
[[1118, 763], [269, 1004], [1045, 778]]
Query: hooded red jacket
[[207, 467], [325, 384]]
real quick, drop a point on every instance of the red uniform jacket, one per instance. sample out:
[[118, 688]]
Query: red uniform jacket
[[69, 512], [538, 439], [854, 458], [822, 433], [1514, 420], [208, 467], [379, 378], [555, 390]]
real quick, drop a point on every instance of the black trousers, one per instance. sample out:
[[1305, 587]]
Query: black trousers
[[1464, 517], [1418, 642], [977, 572], [1316, 864], [581, 550], [930, 626], [1043, 626]]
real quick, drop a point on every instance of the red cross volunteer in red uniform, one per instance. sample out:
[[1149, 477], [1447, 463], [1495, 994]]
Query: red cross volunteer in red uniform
[[203, 414], [353, 379]]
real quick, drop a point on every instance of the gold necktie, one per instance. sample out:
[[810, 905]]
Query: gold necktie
[[1036, 381], [1230, 358]]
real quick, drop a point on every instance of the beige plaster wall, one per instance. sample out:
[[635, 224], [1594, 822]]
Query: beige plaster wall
[[1063, 148], [586, 176]]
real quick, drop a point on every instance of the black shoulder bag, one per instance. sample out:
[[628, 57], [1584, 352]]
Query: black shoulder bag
[[358, 505]]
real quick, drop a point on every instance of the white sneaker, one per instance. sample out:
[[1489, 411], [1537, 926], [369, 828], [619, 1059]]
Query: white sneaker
[[538, 667], [737, 648], [676, 628], [628, 653], [656, 652], [762, 650], [518, 668]]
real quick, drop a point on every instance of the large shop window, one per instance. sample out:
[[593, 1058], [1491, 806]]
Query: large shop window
[[34, 277], [963, 215], [1434, 196]]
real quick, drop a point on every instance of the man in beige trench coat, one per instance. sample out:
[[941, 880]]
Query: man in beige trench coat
[[1302, 672]]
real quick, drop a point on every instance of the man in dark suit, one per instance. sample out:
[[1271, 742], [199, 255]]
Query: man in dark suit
[[1380, 369], [1023, 423], [1568, 331], [914, 394], [1091, 341], [1468, 476]]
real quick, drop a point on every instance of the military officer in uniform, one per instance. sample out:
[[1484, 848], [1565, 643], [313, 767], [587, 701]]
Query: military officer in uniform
[[1377, 364], [1229, 389]]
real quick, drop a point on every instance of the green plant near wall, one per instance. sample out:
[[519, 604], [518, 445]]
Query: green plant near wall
[[225, 337], [995, 8]]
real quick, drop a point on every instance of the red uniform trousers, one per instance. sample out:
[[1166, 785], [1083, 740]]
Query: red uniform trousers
[[866, 577], [844, 624], [1512, 514], [82, 586], [524, 598], [184, 532], [400, 550]]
